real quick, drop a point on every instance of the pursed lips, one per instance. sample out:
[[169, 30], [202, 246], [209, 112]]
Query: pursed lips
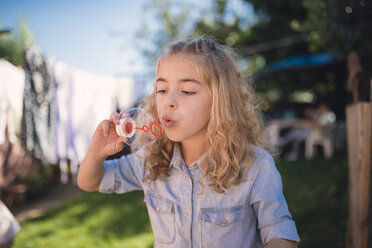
[[168, 121]]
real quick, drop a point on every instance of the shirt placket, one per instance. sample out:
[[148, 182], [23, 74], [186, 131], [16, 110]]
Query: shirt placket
[[186, 206], [194, 172]]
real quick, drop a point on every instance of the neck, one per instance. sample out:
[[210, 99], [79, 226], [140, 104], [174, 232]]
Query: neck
[[192, 150]]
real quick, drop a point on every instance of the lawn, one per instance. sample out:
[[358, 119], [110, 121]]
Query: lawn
[[316, 192], [91, 220]]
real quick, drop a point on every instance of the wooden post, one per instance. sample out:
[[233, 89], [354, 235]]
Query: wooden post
[[370, 185], [359, 136]]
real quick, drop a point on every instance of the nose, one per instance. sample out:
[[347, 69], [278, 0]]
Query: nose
[[171, 100]]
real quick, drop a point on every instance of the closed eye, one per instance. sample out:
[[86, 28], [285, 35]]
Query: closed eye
[[160, 91], [189, 93]]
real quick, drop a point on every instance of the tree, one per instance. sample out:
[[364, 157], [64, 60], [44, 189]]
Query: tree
[[341, 25], [12, 45], [172, 23], [280, 30]]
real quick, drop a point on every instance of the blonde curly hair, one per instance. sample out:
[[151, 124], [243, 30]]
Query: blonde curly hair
[[235, 122]]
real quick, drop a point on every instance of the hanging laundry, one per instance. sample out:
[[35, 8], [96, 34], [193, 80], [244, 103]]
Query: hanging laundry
[[65, 149], [39, 119], [93, 100], [12, 81], [129, 91], [64, 75], [83, 100]]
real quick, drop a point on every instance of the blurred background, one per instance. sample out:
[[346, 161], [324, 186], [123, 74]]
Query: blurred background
[[66, 65]]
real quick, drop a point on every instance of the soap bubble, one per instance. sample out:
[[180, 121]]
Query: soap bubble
[[139, 128]]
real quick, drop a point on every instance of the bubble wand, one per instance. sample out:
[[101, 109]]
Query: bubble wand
[[139, 128]]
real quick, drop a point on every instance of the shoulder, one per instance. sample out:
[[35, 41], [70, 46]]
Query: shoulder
[[263, 163], [260, 153], [264, 176]]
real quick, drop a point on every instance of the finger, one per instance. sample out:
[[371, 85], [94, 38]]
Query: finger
[[120, 143], [123, 139], [115, 118], [122, 114], [105, 127]]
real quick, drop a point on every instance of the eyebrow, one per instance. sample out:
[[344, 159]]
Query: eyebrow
[[183, 80]]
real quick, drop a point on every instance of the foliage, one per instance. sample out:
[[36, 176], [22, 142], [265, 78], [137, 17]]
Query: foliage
[[12, 45], [341, 25], [172, 23], [278, 30], [322, 83], [273, 24]]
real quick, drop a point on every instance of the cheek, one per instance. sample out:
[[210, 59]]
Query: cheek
[[207, 109], [158, 107], [207, 104], [206, 113], [200, 111], [158, 103]]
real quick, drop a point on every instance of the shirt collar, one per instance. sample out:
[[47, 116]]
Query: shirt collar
[[178, 161], [177, 158]]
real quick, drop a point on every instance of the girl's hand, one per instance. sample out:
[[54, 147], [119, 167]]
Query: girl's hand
[[105, 141]]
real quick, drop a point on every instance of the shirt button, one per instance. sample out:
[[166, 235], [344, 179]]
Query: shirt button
[[158, 208], [186, 214], [224, 221]]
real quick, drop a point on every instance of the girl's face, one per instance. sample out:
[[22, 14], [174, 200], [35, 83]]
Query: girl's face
[[183, 99]]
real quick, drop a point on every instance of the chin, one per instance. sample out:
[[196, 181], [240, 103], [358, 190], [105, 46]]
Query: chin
[[175, 137]]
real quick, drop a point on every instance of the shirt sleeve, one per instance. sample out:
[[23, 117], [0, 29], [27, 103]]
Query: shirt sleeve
[[270, 206], [122, 175]]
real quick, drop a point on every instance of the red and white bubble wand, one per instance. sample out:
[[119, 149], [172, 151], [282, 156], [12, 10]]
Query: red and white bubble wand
[[139, 128]]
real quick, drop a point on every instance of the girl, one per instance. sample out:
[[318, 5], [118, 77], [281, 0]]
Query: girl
[[208, 182]]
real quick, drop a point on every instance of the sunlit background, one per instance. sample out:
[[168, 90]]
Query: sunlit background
[[302, 57]]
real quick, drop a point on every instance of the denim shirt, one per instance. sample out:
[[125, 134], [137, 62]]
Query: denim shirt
[[247, 215]]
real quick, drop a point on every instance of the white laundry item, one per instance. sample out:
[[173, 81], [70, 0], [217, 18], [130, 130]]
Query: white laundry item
[[93, 100], [83, 100], [12, 81], [64, 75], [3, 121], [140, 89], [124, 92], [129, 92]]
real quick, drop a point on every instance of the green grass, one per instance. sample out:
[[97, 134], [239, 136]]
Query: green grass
[[91, 220], [316, 192]]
